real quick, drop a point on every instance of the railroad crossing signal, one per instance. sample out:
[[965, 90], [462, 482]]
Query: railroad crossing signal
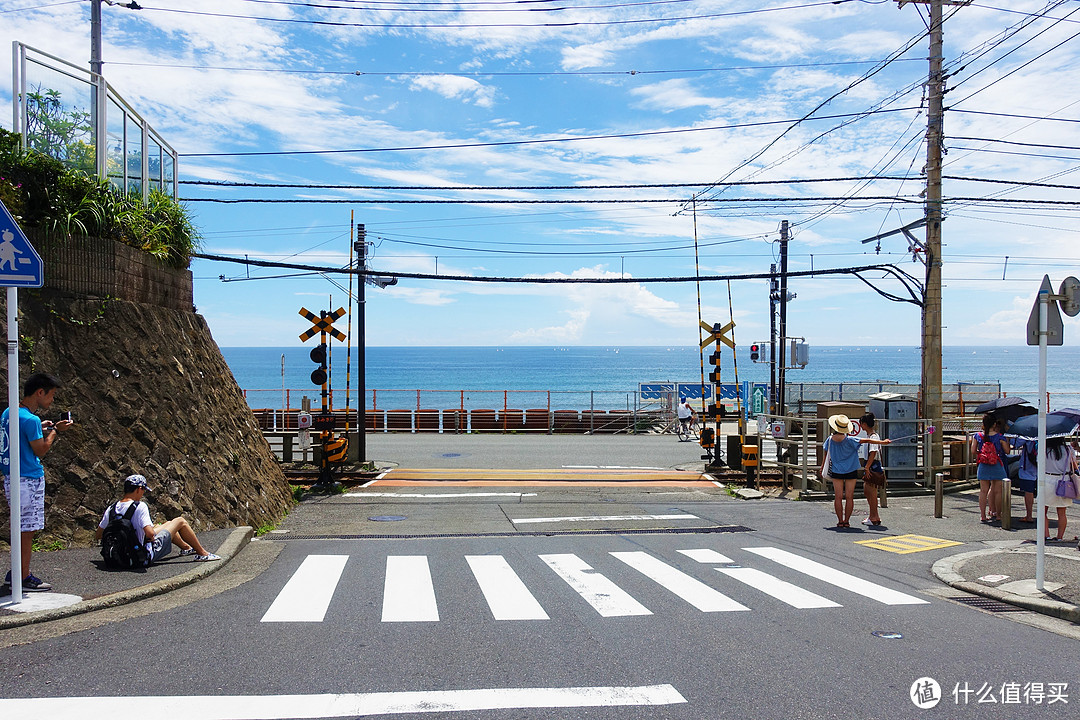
[[322, 324], [717, 334], [334, 449]]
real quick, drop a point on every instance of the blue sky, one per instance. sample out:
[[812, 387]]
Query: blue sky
[[632, 93]]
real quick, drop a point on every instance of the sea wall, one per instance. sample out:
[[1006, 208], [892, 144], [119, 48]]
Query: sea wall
[[150, 393]]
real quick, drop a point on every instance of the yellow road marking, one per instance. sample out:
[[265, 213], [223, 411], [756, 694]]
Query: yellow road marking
[[904, 544]]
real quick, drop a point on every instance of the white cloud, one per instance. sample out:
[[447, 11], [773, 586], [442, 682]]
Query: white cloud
[[454, 87]]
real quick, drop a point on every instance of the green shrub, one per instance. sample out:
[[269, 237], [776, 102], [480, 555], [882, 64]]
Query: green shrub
[[41, 191]]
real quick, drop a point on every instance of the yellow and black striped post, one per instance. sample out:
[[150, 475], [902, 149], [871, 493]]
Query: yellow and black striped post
[[323, 325]]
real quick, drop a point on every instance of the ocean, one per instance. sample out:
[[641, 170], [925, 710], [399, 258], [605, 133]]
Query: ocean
[[607, 377]]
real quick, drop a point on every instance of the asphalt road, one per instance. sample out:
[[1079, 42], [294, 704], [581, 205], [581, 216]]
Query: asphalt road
[[690, 605]]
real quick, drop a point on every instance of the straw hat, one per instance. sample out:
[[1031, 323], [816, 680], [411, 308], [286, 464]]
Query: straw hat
[[840, 424]]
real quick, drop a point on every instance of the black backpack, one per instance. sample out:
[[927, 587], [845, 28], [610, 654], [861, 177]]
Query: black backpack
[[120, 547]]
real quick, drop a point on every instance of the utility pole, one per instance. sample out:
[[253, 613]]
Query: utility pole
[[781, 405], [361, 344], [774, 295], [931, 315], [931, 326], [97, 90]]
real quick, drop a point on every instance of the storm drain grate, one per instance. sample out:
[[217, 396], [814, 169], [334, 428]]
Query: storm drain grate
[[536, 533], [988, 604]]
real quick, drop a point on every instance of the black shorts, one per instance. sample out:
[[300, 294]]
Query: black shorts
[[853, 475]]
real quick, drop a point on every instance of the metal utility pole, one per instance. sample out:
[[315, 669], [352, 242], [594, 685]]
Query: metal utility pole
[[774, 295], [781, 405], [361, 343], [97, 108]]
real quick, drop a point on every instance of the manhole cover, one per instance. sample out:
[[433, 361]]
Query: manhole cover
[[887, 635], [988, 604], [387, 518]]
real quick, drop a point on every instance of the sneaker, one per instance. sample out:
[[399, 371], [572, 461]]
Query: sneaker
[[207, 558], [867, 521], [33, 584], [189, 551]]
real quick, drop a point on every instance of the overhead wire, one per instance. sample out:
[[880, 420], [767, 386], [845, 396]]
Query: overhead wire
[[541, 141], [467, 25]]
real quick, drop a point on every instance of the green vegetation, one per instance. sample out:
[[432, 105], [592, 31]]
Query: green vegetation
[[43, 192], [53, 130], [263, 529], [45, 545]]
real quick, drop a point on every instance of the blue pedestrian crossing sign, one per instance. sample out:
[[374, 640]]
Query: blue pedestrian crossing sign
[[20, 265]]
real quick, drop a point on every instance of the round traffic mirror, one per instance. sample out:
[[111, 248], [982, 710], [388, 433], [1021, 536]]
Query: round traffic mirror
[[1070, 289]]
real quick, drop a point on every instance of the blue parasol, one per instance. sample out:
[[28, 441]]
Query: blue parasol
[[1007, 408], [1060, 423]]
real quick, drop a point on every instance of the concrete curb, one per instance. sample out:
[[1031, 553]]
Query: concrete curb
[[233, 544], [946, 569]]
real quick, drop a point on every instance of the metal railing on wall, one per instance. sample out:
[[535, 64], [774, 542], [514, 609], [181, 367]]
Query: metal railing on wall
[[108, 138]]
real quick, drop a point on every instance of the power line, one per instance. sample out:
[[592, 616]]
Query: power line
[[454, 146], [441, 8], [504, 73], [315, 186], [887, 268], [453, 26], [1013, 115], [1014, 142], [503, 201]]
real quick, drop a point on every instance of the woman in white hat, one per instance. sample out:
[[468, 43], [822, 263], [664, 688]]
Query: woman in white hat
[[842, 466]]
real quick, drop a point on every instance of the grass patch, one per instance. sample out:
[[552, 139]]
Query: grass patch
[[45, 545]]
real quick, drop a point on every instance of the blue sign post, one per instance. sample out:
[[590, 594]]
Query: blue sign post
[[20, 266]]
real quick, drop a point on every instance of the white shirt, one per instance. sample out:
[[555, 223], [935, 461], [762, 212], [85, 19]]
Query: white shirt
[[140, 519], [684, 411], [866, 448]]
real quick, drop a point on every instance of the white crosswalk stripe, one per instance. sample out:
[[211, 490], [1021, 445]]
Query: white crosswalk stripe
[[608, 598], [409, 594], [836, 577], [780, 589], [504, 591], [693, 591], [307, 594]]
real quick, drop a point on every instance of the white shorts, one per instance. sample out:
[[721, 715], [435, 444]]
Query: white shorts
[[31, 500]]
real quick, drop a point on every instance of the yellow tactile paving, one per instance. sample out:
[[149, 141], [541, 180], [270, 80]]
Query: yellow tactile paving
[[904, 544]]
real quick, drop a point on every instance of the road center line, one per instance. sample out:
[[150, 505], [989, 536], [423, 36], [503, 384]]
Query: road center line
[[282, 707], [602, 518]]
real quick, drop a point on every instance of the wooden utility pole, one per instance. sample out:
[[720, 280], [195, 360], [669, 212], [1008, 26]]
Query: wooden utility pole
[[931, 316]]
